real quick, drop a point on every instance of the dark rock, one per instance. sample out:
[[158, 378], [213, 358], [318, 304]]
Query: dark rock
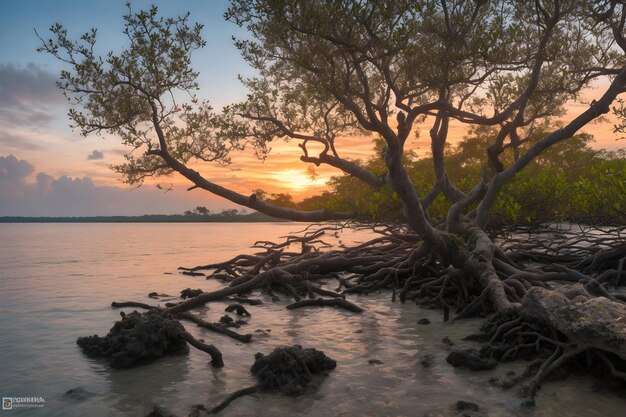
[[159, 411], [375, 362], [446, 340], [423, 321], [157, 295], [239, 309], [471, 359], [189, 293], [466, 405], [137, 339], [290, 369], [594, 322], [199, 410], [427, 360], [78, 394], [228, 321]]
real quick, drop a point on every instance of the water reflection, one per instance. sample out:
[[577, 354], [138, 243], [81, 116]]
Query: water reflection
[[138, 388], [39, 356]]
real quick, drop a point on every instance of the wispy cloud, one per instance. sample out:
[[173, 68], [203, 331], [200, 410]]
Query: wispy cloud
[[26, 94], [11, 140]]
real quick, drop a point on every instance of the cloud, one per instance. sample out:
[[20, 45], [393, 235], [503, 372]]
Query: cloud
[[95, 155], [21, 86], [13, 174], [21, 195], [19, 142], [26, 94], [12, 169]]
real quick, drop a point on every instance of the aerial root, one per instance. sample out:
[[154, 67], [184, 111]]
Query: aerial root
[[510, 337], [557, 360]]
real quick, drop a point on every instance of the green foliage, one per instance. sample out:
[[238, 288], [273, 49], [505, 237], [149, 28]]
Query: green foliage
[[570, 181], [144, 94], [326, 69]]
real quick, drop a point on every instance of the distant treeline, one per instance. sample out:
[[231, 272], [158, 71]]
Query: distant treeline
[[225, 216]]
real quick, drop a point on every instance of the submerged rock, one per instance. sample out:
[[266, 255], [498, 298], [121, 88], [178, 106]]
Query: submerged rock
[[290, 369], [137, 339], [78, 394], [466, 405], [423, 321], [470, 358], [427, 360], [159, 411], [238, 308]]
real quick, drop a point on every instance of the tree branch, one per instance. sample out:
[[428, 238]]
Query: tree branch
[[597, 109]]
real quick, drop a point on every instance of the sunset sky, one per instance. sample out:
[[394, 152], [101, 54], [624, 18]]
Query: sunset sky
[[46, 169]]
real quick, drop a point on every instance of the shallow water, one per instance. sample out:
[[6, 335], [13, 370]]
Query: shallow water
[[58, 280]]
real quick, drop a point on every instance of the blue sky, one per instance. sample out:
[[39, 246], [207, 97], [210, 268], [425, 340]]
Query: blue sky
[[46, 169], [219, 62], [34, 128]]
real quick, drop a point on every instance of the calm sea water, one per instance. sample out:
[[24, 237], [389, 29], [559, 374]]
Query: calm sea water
[[58, 280]]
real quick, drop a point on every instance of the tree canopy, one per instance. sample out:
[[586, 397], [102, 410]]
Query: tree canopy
[[384, 70], [327, 70]]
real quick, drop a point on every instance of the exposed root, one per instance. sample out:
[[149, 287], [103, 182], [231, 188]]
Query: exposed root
[[216, 356], [233, 396], [320, 302], [556, 330], [465, 273]]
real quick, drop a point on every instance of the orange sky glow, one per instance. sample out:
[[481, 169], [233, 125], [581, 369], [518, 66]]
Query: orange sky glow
[[34, 126]]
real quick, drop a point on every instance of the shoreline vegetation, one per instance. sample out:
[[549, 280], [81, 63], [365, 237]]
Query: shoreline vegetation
[[228, 216]]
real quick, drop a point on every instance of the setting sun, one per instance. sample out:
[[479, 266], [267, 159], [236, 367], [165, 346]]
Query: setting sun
[[297, 180]]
